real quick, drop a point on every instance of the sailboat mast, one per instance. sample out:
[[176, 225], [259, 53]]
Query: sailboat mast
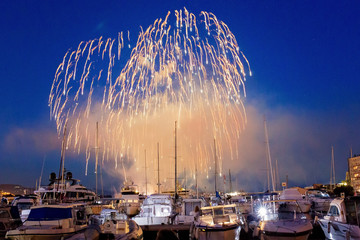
[[62, 159], [230, 181], [269, 156], [146, 192], [332, 171], [96, 156], [196, 181], [215, 164], [175, 163], [158, 168]]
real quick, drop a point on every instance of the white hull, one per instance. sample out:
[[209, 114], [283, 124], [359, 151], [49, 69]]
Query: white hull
[[337, 230], [143, 221], [215, 233], [285, 229], [41, 234]]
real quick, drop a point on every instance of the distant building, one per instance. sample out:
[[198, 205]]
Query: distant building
[[354, 172]]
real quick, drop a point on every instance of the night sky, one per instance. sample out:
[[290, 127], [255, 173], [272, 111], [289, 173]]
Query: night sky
[[304, 56]]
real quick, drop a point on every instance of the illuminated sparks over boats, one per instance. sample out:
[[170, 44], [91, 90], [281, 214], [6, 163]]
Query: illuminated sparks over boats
[[181, 68]]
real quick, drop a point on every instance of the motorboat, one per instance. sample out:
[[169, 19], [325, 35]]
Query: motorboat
[[111, 224], [188, 209], [342, 219], [9, 219], [301, 203], [157, 209], [65, 190], [274, 225], [24, 203], [51, 222], [320, 201], [217, 222], [130, 202]]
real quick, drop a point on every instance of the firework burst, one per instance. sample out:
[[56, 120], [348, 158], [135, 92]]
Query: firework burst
[[181, 68]]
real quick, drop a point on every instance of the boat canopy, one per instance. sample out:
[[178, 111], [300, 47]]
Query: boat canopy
[[49, 214]]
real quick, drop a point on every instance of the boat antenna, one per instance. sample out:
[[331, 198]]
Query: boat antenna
[[158, 168]]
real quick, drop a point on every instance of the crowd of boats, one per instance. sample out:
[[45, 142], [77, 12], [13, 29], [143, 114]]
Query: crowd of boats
[[65, 209]]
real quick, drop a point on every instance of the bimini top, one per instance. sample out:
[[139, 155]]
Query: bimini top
[[50, 213]]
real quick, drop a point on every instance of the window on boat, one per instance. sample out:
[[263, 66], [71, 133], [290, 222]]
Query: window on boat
[[229, 210], [206, 212], [218, 211], [23, 206], [48, 214], [333, 211]]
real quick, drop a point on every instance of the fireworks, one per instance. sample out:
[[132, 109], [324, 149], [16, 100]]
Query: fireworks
[[188, 70]]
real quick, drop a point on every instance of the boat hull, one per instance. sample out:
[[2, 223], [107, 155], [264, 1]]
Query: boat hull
[[297, 229], [214, 233], [56, 234], [338, 230]]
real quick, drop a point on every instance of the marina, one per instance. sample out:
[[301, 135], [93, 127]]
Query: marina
[[180, 120]]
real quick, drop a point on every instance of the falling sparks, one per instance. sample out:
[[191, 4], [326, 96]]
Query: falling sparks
[[190, 71]]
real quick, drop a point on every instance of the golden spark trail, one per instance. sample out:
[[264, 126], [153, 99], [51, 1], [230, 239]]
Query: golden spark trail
[[189, 70]]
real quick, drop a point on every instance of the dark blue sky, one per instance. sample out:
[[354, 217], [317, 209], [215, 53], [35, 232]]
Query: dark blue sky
[[304, 55]]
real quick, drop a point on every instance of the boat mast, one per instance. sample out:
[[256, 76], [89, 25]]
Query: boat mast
[[175, 164], [62, 159], [332, 170], [146, 192], [269, 157], [215, 164], [96, 156], [230, 180], [158, 168], [196, 181]]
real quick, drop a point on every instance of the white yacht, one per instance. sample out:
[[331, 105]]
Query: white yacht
[[157, 209], [320, 201], [130, 202], [217, 222], [342, 219], [67, 190], [47, 222], [301, 203], [274, 225]]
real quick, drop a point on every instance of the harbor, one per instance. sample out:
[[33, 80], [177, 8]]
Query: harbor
[[179, 120]]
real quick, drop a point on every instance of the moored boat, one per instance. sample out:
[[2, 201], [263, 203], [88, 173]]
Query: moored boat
[[217, 222], [156, 210], [51, 222], [65, 189], [275, 225], [342, 219]]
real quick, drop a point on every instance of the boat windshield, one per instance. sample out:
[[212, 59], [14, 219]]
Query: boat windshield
[[48, 214]]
